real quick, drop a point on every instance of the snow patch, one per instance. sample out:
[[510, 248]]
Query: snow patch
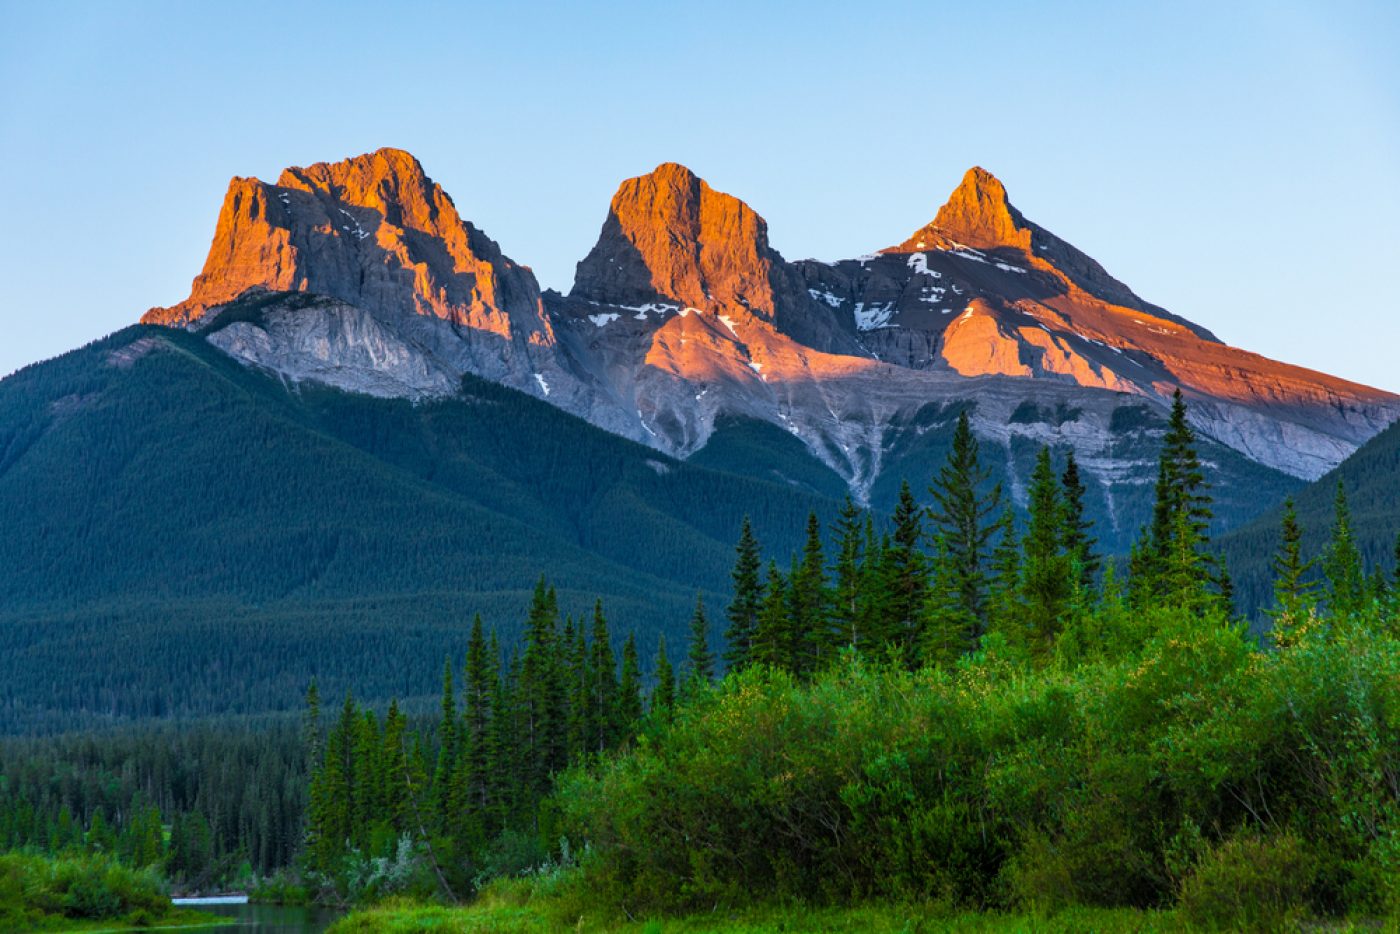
[[833, 300], [607, 317], [874, 317], [919, 263], [544, 385], [729, 323]]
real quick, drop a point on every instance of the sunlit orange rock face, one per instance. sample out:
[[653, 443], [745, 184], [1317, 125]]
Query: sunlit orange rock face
[[371, 231]]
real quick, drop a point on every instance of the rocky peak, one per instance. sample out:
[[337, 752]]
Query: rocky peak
[[372, 231], [669, 235], [978, 214]]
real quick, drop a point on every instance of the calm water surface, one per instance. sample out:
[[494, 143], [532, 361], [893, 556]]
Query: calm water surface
[[264, 919]]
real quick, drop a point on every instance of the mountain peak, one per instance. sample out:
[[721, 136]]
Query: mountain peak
[[372, 231], [669, 235], [979, 214]]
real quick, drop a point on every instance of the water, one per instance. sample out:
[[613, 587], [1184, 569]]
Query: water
[[264, 919]]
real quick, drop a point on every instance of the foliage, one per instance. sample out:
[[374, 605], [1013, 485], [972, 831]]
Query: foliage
[[38, 893]]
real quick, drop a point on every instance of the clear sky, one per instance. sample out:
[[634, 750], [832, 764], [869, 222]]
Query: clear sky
[[1240, 167]]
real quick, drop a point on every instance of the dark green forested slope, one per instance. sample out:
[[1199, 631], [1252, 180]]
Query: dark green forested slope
[[1372, 480], [182, 535]]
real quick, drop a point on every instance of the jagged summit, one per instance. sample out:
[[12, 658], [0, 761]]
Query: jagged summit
[[670, 236], [372, 230]]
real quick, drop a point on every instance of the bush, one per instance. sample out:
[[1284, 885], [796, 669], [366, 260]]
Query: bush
[[33, 889], [1251, 883]]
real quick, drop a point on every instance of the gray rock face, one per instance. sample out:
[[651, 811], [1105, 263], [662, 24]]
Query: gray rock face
[[683, 313]]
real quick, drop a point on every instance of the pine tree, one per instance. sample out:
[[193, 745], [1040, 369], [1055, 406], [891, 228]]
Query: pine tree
[[905, 580], [809, 599], [447, 751], [629, 691], [1079, 543], [1175, 559], [1005, 613], [1046, 569], [743, 610], [480, 690], [772, 642], [847, 597], [1342, 563], [395, 770], [541, 696], [663, 696], [602, 675], [961, 515], [1293, 591], [702, 661], [945, 631]]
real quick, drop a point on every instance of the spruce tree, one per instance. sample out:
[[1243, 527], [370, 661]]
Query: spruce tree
[[629, 691], [1005, 613], [905, 580], [772, 642], [1079, 542], [1175, 558], [1293, 591], [663, 695], [1046, 568], [847, 595], [447, 750], [743, 610], [480, 689], [810, 599], [945, 631], [961, 515], [702, 661], [602, 674], [1342, 563]]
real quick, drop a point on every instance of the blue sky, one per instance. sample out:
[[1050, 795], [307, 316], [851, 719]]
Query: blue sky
[[1240, 167]]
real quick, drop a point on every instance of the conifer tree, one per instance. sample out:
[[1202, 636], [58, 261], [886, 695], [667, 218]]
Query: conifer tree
[[1174, 559], [447, 751], [847, 596], [1293, 591], [1079, 542], [395, 768], [1046, 568], [702, 661], [1005, 613], [743, 610], [905, 579], [772, 642], [945, 632], [663, 696], [1342, 563], [480, 689], [602, 674], [809, 599], [629, 691], [961, 516]]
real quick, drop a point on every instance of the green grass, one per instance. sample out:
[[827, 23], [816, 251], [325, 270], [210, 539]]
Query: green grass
[[503, 914]]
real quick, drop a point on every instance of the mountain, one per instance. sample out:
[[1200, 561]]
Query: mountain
[[684, 323], [186, 535], [367, 422]]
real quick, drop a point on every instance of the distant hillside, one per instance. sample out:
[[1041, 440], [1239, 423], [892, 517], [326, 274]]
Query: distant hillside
[[185, 535], [1372, 479]]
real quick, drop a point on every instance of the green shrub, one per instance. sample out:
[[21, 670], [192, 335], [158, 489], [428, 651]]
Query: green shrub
[[1250, 882]]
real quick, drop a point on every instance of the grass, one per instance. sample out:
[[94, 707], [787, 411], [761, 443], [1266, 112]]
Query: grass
[[516, 907]]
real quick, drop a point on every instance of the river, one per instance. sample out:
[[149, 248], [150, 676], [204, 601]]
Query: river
[[264, 919]]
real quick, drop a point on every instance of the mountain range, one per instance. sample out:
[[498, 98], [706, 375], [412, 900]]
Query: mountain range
[[683, 318], [367, 422]]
